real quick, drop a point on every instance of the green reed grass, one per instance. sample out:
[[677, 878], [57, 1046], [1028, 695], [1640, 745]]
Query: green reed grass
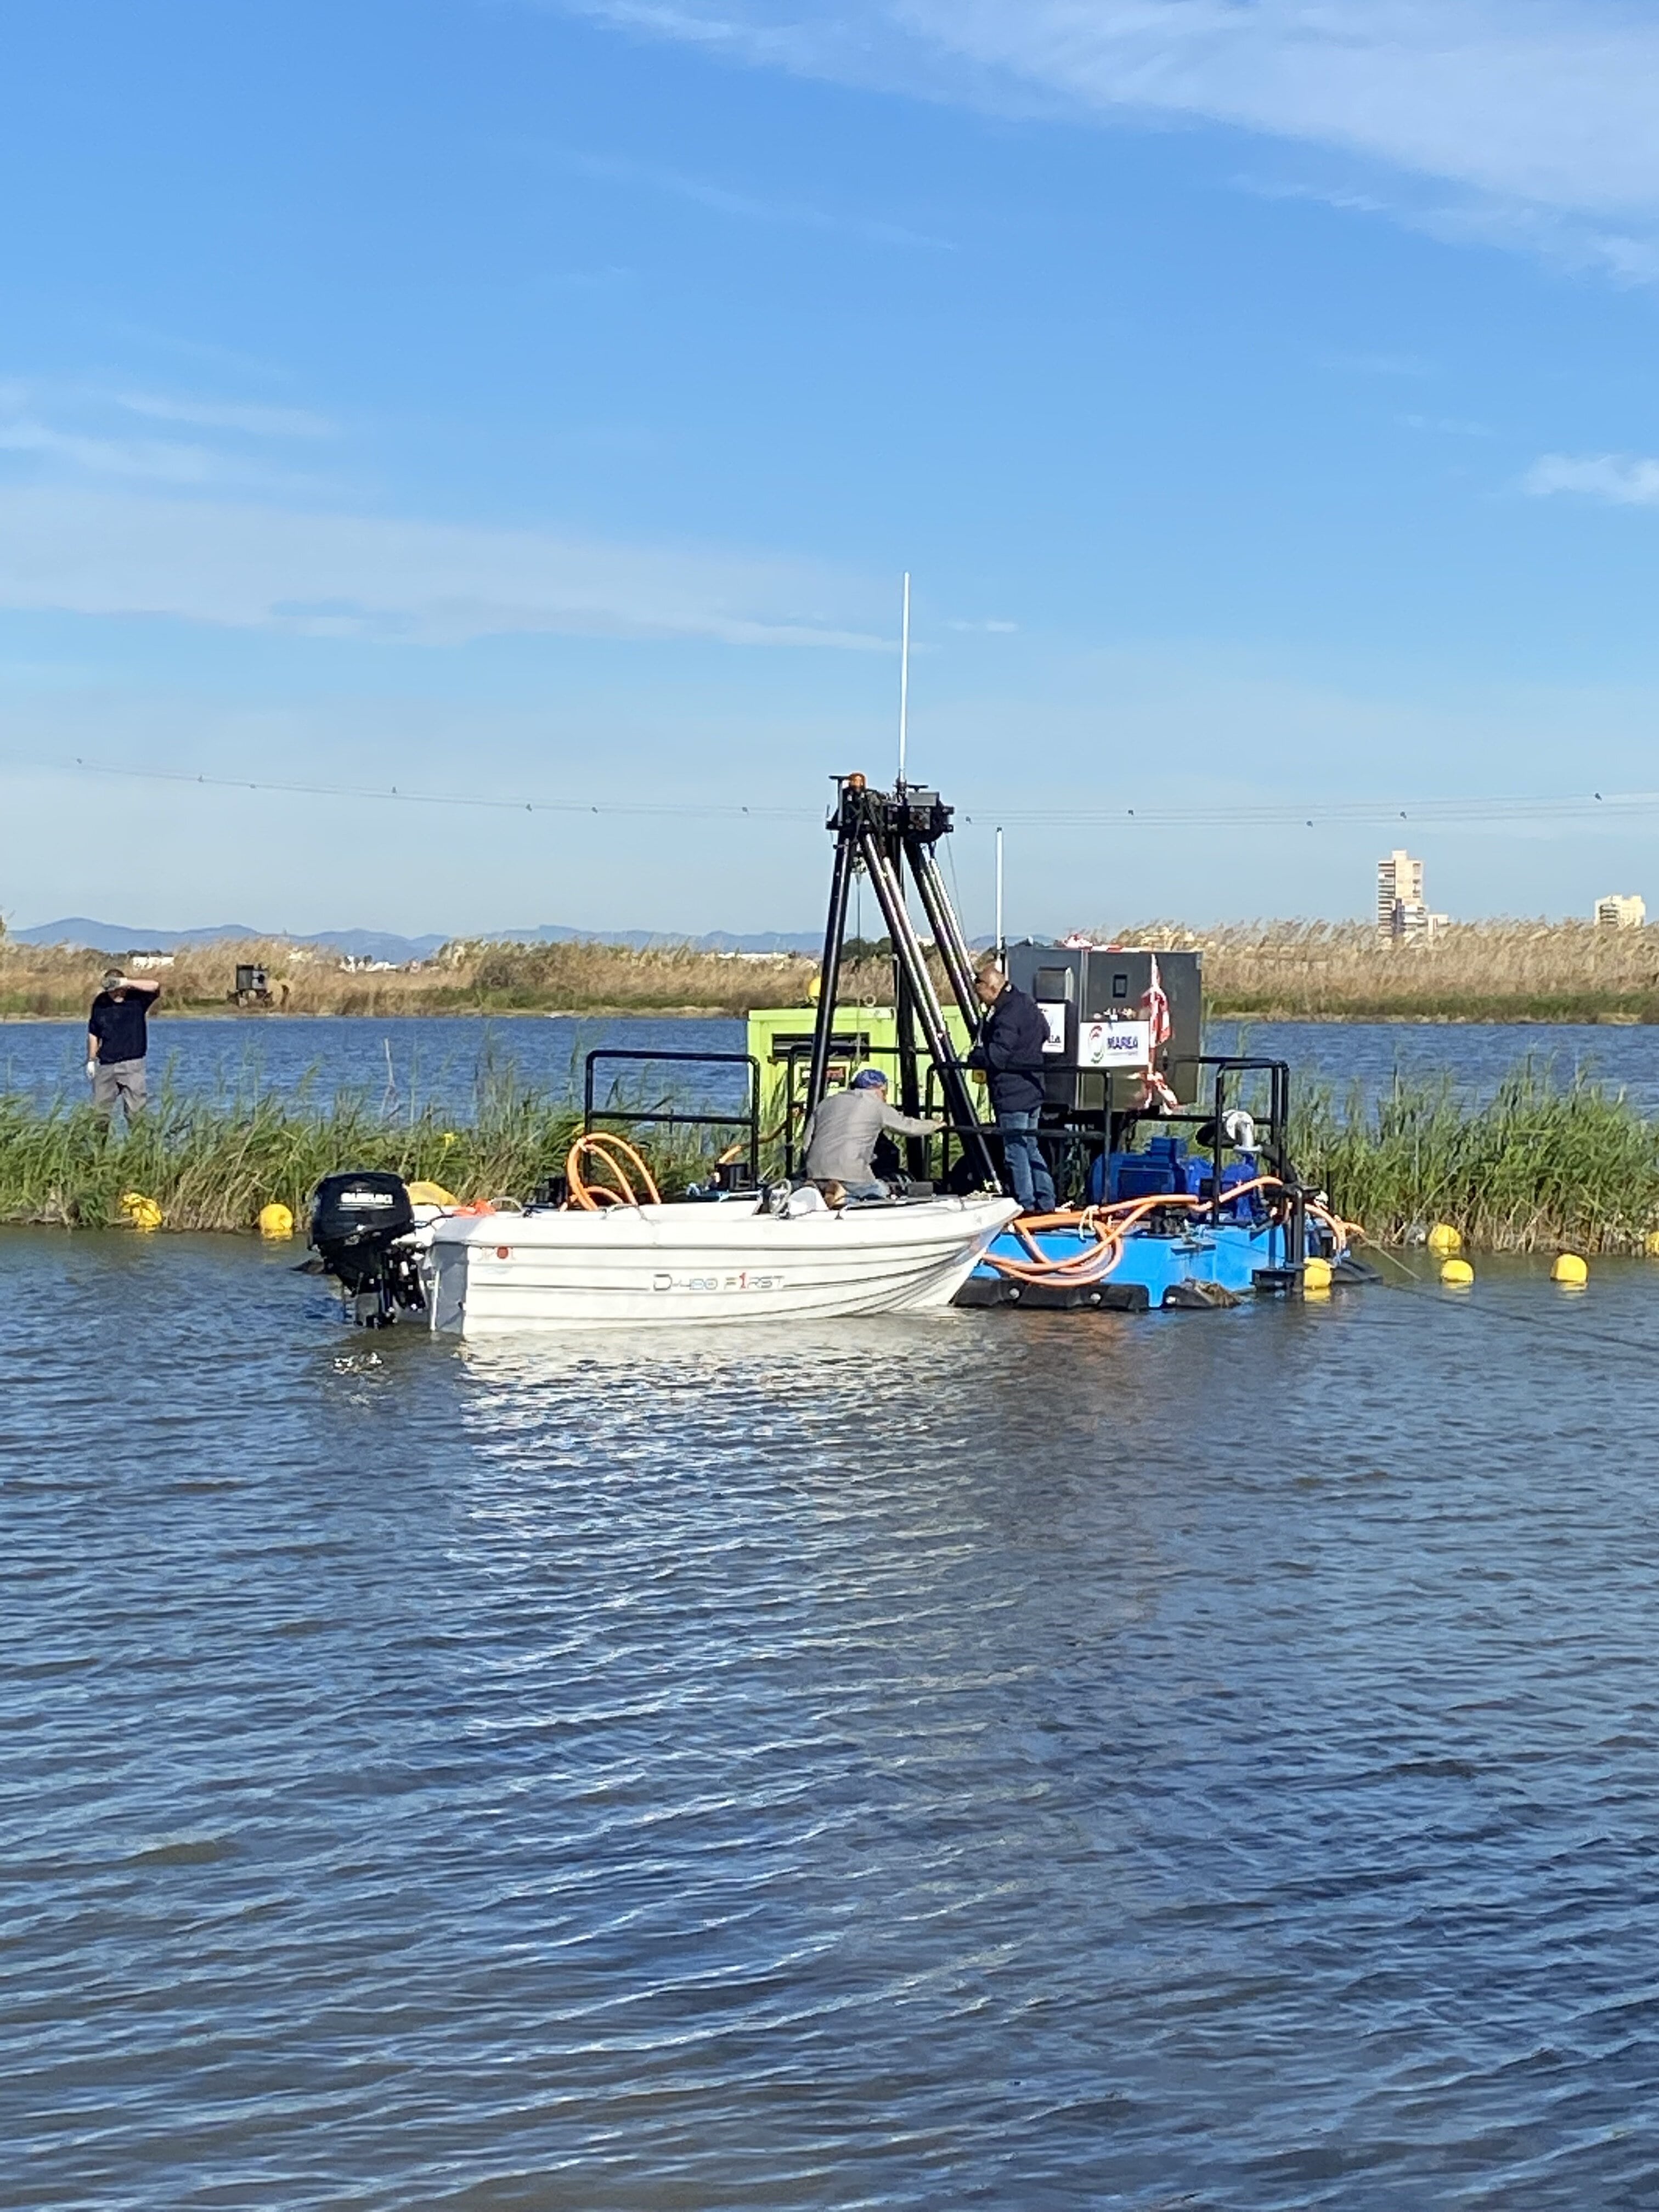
[[214, 1164], [1540, 1165], [1543, 1163]]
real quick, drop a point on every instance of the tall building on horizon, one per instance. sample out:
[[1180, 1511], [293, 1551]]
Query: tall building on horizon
[[1400, 909]]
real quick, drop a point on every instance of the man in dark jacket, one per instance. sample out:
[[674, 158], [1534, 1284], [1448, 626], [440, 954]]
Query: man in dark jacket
[[1010, 1050]]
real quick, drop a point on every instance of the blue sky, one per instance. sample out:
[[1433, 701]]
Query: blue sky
[[540, 402]]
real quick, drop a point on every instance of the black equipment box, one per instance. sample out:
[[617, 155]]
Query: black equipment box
[[1093, 998]]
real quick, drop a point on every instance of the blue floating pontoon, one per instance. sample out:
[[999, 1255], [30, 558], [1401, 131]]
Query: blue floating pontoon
[[1195, 1265], [1177, 1254]]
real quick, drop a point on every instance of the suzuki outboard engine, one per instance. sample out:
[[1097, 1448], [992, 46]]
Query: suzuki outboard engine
[[360, 1224]]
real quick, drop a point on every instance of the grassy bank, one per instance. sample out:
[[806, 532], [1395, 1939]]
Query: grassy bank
[[1492, 971], [1276, 971], [214, 1166], [462, 979], [1543, 1166]]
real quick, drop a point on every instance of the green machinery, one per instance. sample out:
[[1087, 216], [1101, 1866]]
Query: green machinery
[[780, 1044]]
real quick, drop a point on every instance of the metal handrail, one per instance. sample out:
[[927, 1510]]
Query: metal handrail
[[749, 1119]]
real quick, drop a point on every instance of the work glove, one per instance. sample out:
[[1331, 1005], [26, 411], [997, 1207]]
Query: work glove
[[92, 1069]]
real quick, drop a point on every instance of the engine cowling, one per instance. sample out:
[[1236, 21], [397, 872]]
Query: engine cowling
[[361, 1222]]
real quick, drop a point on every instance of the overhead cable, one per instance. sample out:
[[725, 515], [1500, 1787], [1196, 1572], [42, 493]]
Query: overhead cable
[[1467, 812]]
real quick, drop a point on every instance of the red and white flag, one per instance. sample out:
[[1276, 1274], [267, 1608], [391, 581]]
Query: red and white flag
[[1156, 1095]]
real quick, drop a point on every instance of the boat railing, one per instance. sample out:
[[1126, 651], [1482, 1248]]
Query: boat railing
[[665, 1116]]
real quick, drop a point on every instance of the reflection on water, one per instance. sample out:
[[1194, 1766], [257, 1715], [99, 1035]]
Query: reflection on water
[[984, 1758]]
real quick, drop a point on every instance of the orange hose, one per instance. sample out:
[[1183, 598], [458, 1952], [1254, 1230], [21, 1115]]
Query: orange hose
[[1110, 1224], [604, 1147]]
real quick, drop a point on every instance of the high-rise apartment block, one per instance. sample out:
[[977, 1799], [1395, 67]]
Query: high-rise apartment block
[[1401, 911], [1620, 911]]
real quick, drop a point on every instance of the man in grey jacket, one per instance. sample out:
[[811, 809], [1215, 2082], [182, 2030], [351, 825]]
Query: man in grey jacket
[[840, 1137]]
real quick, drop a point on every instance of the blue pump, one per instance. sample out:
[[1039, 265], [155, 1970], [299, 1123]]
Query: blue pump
[[1166, 1169]]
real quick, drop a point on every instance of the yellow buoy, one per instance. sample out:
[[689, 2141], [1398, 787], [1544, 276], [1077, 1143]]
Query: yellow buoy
[[1568, 1268], [430, 1194], [1315, 1274], [1652, 1247], [275, 1220], [1445, 1242], [1457, 1274], [142, 1213]]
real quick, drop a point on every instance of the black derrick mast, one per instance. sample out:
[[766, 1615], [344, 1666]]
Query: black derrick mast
[[888, 833]]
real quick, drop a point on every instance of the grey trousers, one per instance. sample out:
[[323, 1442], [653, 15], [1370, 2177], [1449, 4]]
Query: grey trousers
[[122, 1079]]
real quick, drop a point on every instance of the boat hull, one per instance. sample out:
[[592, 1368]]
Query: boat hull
[[700, 1264]]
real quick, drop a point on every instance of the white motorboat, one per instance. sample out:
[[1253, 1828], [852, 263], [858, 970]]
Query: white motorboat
[[629, 1265]]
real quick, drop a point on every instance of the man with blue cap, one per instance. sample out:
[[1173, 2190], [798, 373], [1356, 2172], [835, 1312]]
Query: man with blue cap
[[842, 1135]]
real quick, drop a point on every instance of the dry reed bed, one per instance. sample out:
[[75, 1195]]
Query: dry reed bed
[[1474, 971], [57, 981], [1492, 971]]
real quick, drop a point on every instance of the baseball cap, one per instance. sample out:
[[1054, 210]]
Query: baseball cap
[[869, 1078]]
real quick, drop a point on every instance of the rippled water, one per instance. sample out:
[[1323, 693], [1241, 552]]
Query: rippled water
[[1016, 1760], [408, 1062], [403, 1063]]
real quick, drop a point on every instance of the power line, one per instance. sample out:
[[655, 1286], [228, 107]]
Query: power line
[[734, 810], [1468, 813]]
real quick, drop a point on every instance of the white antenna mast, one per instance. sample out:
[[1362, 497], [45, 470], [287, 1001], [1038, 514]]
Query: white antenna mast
[[904, 679], [1001, 947]]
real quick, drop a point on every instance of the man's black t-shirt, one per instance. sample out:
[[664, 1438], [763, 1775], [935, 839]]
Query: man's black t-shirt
[[118, 1025]]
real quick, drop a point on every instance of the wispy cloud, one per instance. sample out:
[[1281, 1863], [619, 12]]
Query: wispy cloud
[[154, 459], [1622, 479], [252, 421], [261, 568], [1540, 105], [746, 207], [81, 428]]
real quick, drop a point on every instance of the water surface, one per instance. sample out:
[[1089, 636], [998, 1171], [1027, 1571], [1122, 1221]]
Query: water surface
[[1040, 1761], [402, 1064], [408, 1062]]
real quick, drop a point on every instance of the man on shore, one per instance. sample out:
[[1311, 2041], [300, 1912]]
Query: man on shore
[[118, 1037], [1010, 1050], [840, 1137]]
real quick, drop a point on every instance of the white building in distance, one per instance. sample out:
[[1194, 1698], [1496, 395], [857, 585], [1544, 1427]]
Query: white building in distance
[[1620, 910], [1402, 910], [1398, 883]]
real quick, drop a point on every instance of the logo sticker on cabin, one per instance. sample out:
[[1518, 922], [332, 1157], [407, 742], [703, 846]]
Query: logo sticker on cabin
[[1115, 1044]]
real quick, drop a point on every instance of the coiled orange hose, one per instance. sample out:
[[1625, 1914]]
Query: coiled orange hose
[[604, 1147], [1111, 1225]]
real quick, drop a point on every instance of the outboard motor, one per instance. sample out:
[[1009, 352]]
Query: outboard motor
[[360, 1223]]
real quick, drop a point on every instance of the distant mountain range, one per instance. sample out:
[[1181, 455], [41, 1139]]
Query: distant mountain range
[[382, 945]]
